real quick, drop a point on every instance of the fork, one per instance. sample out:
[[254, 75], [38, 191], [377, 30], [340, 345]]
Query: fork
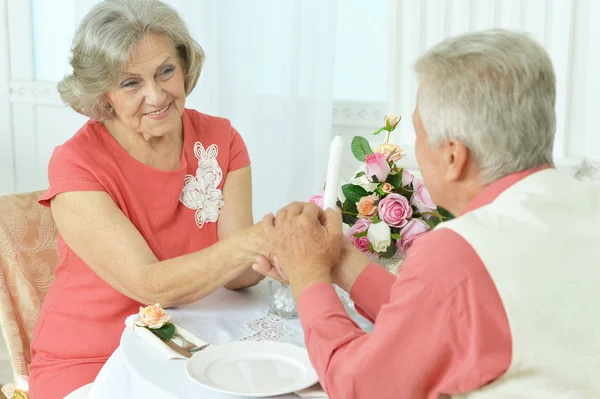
[[189, 346]]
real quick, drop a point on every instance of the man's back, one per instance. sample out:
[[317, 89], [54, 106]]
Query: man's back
[[539, 242]]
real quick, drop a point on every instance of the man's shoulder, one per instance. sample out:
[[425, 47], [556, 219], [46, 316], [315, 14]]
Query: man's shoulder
[[443, 253]]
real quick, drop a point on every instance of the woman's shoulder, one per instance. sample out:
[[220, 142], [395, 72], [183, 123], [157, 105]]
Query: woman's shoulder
[[204, 125], [200, 117], [212, 131], [87, 145], [87, 138]]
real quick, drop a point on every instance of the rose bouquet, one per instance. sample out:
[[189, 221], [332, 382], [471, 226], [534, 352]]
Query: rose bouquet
[[385, 206]]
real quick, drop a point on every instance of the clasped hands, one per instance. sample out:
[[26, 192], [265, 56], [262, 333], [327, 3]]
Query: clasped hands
[[307, 246]]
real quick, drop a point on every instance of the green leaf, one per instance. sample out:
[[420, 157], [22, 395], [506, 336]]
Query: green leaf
[[360, 148], [396, 236], [389, 252], [445, 213], [376, 218], [371, 249], [379, 131], [433, 221], [374, 179], [353, 193], [348, 219], [165, 332], [395, 179], [349, 207], [359, 174], [359, 235], [403, 191]]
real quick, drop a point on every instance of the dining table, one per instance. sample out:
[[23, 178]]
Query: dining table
[[137, 370]]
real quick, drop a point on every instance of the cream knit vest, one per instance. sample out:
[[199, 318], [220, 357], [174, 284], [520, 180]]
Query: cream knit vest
[[540, 242]]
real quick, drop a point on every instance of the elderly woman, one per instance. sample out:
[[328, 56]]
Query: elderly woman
[[152, 200]]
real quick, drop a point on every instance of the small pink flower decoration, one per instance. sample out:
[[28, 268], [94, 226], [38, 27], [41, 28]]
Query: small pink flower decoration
[[387, 188], [318, 199], [395, 210], [362, 243], [153, 317], [410, 232], [421, 198], [376, 165]]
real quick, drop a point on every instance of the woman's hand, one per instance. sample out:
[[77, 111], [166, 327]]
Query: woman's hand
[[272, 270]]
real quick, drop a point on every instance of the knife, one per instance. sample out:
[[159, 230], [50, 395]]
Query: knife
[[178, 348]]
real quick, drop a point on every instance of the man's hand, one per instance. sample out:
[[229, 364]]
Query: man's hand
[[306, 241], [346, 270]]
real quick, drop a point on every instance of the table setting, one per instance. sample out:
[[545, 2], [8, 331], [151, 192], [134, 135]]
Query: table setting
[[236, 348]]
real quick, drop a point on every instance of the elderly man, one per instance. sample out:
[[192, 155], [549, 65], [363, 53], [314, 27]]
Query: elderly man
[[501, 302]]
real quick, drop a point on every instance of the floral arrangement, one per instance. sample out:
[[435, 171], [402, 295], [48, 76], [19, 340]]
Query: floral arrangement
[[155, 319], [385, 206]]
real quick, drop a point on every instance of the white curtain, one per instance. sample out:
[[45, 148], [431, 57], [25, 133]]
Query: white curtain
[[269, 69]]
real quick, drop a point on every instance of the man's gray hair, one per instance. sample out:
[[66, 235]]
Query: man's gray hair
[[495, 92], [102, 47]]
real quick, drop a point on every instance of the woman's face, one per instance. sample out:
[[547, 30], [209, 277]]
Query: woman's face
[[151, 94]]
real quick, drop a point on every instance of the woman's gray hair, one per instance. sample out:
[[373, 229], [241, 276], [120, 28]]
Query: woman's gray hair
[[494, 91], [102, 47]]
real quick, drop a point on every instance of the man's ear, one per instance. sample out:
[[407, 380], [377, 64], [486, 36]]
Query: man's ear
[[456, 157]]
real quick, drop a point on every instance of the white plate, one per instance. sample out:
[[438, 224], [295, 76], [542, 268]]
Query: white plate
[[254, 369]]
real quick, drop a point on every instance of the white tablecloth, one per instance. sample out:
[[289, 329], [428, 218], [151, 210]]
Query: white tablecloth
[[138, 371]]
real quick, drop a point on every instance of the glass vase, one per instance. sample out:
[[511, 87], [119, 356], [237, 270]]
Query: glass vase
[[283, 304], [392, 264], [281, 300]]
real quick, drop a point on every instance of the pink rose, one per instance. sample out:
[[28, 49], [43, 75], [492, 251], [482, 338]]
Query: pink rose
[[410, 232], [421, 198], [152, 317], [387, 188], [366, 206], [407, 177], [377, 166], [395, 210], [362, 243], [318, 199]]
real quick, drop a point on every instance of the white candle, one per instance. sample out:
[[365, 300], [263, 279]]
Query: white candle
[[333, 173]]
